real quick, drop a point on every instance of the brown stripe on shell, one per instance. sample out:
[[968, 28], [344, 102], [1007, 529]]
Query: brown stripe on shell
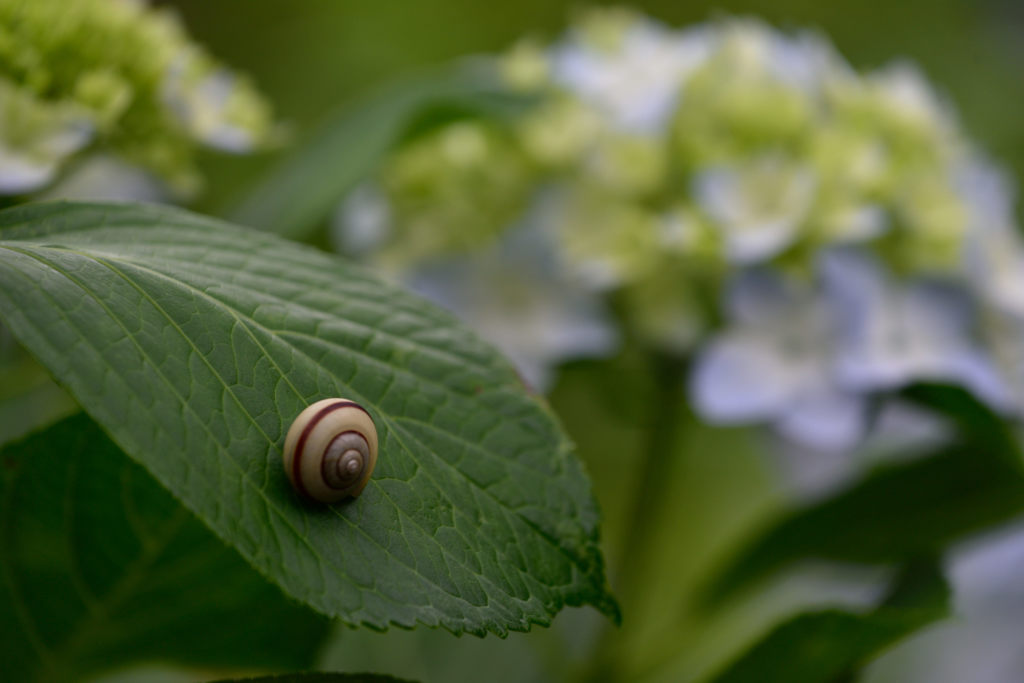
[[300, 445]]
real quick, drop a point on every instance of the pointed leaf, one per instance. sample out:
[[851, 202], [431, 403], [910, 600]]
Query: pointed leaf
[[902, 509], [830, 645], [195, 344]]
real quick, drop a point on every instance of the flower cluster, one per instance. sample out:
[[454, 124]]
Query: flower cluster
[[114, 76], [812, 235]]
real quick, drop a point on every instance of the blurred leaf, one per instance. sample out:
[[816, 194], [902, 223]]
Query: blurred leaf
[[318, 678], [305, 187], [102, 567], [901, 510], [830, 645], [974, 420], [196, 343]]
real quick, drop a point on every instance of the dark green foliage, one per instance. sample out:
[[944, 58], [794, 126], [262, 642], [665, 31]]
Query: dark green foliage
[[901, 510], [830, 645], [102, 567]]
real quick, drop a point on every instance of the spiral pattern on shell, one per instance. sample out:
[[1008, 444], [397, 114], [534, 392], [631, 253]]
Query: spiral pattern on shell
[[331, 450]]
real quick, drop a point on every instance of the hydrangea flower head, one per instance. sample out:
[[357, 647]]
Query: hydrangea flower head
[[117, 76], [813, 236]]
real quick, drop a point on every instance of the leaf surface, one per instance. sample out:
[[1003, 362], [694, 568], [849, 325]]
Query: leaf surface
[[100, 566], [195, 343]]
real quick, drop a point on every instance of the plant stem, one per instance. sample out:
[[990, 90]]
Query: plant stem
[[666, 406]]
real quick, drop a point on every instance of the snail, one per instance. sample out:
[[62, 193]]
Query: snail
[[330, 450]]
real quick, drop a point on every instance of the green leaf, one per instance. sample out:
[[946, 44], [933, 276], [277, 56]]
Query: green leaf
[[100, 566], [983, 429], [831, 645], [303, 189], [900, 510], [195, 344]]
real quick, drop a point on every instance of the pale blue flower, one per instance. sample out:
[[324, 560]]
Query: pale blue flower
[[889, 335], [635, 81], [517, 296], [773, 364], [807, 356]]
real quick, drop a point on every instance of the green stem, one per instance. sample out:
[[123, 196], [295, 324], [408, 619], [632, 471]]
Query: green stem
[[666, 404]]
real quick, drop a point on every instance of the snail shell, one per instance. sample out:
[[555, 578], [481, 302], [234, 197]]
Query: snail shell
[[330, 450]]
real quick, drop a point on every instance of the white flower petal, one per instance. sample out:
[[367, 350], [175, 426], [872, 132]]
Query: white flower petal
[[759, 207], [361, 223], [32, 163], [21, 173], [759, 296], [826, 420], [739, 378], [636, 85], [772, 356], [517, 297], [987, 576], [107, 178], [805, 61], [993, 249], [891, 335], [858, 223], [204, 107]]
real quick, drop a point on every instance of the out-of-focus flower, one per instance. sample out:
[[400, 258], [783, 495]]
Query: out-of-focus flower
[[105, 178], [513, 292], [627, 68], [773, 364], [36, 139], [517, 295], [814, 237], [117, 77], [759, 207]]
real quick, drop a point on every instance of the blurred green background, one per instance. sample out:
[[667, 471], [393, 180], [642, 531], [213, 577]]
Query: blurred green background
[[312, 56]]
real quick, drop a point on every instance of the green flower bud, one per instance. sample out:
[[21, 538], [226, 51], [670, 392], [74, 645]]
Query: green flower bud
[[454, 189]]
